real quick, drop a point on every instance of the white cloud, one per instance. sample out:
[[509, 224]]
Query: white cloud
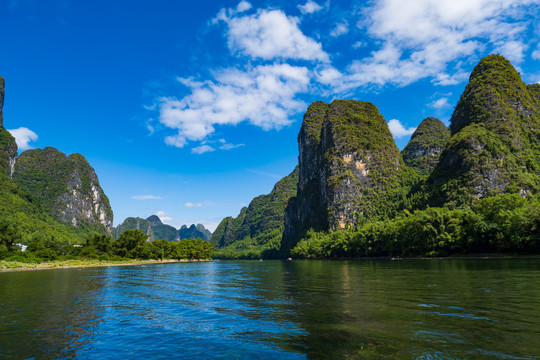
[[243, 6], [447, 79], [420, 38], [310, 7], [193, 205], [271, 34], [264, 96], [514, 51], [230, 146], [23, 136], [398, 130], [163, 216], [202, 149], [146, 197], [340, 29], [328, 75], [536, 54], [440, 103]]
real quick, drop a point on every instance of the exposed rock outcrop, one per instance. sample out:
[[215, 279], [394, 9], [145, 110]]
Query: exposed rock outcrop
[[8, 152], [8, 146], [347, 158], [495, 144], [2, 93], [426, 144], [66, 186]]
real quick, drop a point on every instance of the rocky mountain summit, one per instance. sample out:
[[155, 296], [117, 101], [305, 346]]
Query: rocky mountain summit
[[426, 144]]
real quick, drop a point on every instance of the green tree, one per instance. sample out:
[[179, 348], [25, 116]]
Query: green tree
[[130, 243]]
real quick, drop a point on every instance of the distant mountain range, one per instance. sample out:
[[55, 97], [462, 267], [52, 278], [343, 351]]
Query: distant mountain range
[[156, 230]]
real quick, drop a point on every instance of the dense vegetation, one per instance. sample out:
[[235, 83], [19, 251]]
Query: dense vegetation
[[132, 244], [21, 210], [504, 223]]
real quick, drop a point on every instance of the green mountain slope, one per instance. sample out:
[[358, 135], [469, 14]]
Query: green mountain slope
[[258, 229], [426, 144], [67, 187]]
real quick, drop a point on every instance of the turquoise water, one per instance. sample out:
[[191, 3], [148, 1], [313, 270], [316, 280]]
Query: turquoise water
[[411, 309]]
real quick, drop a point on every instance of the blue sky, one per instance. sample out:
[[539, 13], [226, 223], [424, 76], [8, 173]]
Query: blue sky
[[188, 110]]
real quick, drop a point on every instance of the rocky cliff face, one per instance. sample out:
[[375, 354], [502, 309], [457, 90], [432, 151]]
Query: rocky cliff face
[[262, 221], [66, 187], [495, 144], [426, 144], [347, 157], [8, 152], [2, 85], [8, 146]]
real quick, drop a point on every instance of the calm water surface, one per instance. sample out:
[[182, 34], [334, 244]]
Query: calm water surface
[[412, 309]]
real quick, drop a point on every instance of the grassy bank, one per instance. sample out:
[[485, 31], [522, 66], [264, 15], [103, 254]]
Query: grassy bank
[[6, 266]]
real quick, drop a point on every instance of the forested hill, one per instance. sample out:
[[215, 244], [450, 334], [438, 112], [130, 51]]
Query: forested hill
[[471, 188]]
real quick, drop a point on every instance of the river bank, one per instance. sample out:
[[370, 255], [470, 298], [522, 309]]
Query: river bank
[[10, 266]]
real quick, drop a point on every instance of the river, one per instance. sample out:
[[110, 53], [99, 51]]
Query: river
[[380, 309]]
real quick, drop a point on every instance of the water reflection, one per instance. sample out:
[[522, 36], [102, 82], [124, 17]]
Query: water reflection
[[421, 309], [417, 309], [47, 314]]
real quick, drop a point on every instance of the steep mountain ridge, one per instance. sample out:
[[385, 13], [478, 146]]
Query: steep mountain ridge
[[347, 158]]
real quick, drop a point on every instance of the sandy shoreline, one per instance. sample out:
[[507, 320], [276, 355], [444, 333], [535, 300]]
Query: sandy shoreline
[[71, 264]]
